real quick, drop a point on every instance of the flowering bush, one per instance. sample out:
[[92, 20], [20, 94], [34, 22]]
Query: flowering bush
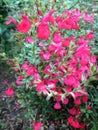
[[56, 60]]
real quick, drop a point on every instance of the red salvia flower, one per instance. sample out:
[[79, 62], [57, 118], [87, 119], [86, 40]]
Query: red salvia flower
[[9, 91], [25, 25]]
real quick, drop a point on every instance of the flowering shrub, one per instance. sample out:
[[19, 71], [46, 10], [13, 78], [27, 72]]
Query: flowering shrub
[[56, 60]]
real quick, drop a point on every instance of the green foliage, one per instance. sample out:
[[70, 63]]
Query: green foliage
[[3, 125], [93, 101], [30, 53], [37, 107], [6, 40]]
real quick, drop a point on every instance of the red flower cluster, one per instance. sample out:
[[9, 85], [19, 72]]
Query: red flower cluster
[[25, 25], [9, 91], [74, 122], [11, 20], [37, 125], [43, 31], [67, 60]]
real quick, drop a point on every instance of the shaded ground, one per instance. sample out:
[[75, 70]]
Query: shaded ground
[[8, 111]]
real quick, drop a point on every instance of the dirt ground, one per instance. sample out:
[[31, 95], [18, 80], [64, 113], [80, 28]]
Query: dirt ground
[[8, 113]]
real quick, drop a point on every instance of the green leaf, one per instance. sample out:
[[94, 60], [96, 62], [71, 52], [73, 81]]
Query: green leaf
[[3, 28]]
